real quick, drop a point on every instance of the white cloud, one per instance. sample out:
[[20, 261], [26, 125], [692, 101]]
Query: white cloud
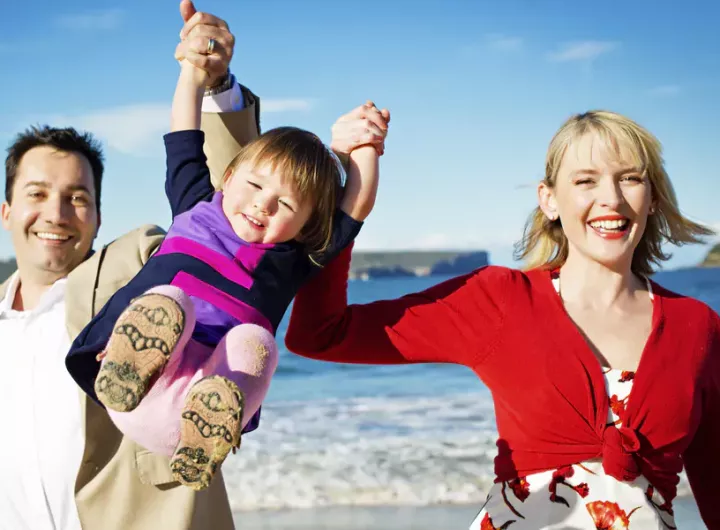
[[584, 51], [138, 129], [130, 129], [504, 43], [92, 20], [664, 90]]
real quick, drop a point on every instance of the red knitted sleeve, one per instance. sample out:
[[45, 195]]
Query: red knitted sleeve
[[702, 458], [456, 321]]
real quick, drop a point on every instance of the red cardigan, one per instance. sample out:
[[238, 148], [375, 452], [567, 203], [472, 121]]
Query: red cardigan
[[511, 329]]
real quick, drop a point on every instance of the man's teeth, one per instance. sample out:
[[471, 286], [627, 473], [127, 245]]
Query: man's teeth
[[55, 237], [610, 225]]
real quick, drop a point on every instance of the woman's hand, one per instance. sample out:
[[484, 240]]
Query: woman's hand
[[364, 125]]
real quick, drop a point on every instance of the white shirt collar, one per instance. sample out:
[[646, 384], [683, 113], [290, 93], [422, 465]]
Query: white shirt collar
[[6, 303], [49, 297]]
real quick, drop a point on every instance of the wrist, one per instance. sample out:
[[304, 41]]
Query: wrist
[[221, 84], [189, 75], [363, 152]]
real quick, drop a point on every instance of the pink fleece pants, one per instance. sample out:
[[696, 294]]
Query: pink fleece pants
[[247, 355]]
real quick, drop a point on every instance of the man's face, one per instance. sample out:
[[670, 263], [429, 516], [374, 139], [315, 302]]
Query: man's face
[[52, 214]]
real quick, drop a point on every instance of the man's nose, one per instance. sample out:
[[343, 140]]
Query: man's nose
[[57, 210]]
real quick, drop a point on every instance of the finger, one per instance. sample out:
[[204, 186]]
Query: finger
[[212, 64], [369, 138], [372, 128], [202, 45], [375, 116], [385, 113], [202, 18], [187, 10], [223, 38], [208, 30]]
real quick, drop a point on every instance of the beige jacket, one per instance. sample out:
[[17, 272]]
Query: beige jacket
[[120, 485]]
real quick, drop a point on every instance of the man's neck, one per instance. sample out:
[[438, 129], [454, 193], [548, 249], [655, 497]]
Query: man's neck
[[29, 293]]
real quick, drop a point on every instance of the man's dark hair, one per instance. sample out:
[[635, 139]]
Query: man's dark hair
[[65, 139]]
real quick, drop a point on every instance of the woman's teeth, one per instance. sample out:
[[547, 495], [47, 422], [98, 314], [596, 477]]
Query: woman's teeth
[[610, 225]]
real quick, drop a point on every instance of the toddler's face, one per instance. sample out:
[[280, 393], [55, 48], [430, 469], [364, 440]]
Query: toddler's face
[[262, 207]]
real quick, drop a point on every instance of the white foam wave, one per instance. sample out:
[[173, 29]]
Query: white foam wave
[[375, 451], [368, 451]]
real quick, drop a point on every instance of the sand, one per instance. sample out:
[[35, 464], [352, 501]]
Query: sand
[[444, 517]]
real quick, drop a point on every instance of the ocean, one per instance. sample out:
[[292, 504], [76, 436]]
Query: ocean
[[335, 435]]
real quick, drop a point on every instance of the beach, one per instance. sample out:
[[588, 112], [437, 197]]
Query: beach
[[401, 518]]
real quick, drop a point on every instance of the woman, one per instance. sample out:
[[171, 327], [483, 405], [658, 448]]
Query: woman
[[562, 344]]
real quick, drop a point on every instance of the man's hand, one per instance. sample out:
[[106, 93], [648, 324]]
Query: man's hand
[[364, 125], [195, 37]]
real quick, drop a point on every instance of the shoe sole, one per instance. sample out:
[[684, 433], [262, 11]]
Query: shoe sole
[[144, 336], [211, 426]]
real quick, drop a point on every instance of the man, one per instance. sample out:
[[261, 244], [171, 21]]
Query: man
[[65, 466]]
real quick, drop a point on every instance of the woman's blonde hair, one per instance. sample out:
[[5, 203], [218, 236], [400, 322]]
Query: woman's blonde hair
[[314, 171], [544, 244]]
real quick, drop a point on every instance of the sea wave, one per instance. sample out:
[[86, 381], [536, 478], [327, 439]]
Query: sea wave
[[367, 451]]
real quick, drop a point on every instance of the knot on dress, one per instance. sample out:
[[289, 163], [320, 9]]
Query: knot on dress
[[618, 453]]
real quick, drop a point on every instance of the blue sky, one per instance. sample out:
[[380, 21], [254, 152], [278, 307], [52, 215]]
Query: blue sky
[[476, 88]]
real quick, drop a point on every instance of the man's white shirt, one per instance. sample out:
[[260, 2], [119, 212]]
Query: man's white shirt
[[41, 441]]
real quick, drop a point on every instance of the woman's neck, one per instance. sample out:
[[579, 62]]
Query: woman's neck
[[587, 283]]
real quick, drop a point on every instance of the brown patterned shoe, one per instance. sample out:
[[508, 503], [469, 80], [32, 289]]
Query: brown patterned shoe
[[211, 425], [142, 340]]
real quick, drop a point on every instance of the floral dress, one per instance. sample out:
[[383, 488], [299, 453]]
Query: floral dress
[[580, 496]]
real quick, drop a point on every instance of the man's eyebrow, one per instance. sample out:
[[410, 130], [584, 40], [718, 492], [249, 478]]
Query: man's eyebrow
[[38, 183], [80, 187], [43, 184]]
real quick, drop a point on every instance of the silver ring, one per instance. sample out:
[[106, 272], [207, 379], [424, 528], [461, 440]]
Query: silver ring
[[210, 47]]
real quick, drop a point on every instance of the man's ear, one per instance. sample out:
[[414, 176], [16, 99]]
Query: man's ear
[[5, 213]]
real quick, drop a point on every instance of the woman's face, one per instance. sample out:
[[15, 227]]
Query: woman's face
[[602, 200]]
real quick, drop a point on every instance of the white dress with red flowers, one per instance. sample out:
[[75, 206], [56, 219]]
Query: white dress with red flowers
[[580, 496]]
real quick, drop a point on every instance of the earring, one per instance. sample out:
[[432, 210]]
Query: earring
[[652, 209]]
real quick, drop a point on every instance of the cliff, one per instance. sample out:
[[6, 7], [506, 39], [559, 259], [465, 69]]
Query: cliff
[[713, 257], [367, 265]]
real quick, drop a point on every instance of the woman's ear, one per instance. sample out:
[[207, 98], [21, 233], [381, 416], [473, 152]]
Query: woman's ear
[[546, 201]]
